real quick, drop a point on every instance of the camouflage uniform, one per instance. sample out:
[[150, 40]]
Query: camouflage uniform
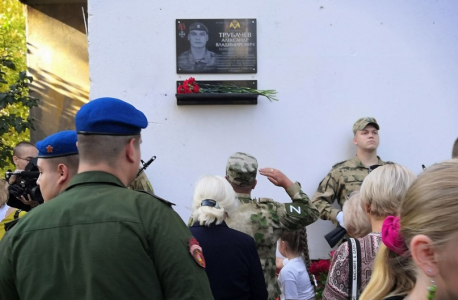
[[141, 183], [265, 219], [186, 62], [343, 179]]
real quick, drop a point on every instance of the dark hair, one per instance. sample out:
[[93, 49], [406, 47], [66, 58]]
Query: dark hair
[[297, 243], [455, 149]]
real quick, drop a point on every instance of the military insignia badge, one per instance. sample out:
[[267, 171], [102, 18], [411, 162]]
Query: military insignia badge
[[49, 149], [196, 252], [234, 24], [182, 28]]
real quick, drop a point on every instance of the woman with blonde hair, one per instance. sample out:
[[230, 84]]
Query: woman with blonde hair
[[356, 221], [229, 257], [420, 257], [352, 263]]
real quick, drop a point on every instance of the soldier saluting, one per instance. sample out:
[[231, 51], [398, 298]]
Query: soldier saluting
[[265, 219]]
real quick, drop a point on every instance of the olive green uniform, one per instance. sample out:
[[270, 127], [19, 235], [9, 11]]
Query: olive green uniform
[[343, 179], [265, 219], [100, 240]]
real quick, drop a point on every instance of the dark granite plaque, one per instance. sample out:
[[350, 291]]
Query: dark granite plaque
[[216, 46]]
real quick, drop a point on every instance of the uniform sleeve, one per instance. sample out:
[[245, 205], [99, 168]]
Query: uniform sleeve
[[257, 283], [180, 275], [7, 284], [337, 282], [328, 191], [141, 183], [298, 214]]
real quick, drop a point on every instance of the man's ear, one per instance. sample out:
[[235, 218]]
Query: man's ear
[[130, 150], [63, 172], [424, 254], [254, 184], [354, 140]]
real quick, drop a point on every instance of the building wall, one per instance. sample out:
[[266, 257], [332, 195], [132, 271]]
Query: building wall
[[58, 61], [331, 62]]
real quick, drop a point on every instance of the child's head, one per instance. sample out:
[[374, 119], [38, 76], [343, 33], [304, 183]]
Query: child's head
[[356, 221]]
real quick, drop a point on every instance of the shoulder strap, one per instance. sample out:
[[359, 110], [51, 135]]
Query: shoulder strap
[[354, 253]]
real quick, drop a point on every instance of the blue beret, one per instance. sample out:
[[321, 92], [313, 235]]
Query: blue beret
[[109, 116], [59, 144]]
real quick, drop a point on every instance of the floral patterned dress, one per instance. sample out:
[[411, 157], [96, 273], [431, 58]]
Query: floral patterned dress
[[337, 284]]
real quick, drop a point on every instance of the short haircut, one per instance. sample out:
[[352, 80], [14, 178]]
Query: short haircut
[[382, 190], [215, 188], [95, 149], [355, 219], [455, 149], [71, 161], [17, 150], [4, 194]]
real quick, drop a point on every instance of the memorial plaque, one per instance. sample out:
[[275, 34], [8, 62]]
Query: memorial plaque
[[216, 46]]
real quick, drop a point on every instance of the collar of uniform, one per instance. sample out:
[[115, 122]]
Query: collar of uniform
[[95, 177], [357, 163], [244, 198]]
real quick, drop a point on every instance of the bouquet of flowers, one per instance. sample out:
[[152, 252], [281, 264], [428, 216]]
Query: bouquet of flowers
[[320, 269], [190, 86]]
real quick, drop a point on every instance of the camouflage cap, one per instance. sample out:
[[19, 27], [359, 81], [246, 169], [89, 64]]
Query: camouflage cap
[[363, 122], [241, 169]]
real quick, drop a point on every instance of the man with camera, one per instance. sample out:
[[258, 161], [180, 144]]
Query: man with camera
[[23, 180]]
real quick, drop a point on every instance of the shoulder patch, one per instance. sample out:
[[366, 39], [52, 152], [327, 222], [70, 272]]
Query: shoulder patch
[[158, 198], [339, 163], [196, 252], [266, 200]]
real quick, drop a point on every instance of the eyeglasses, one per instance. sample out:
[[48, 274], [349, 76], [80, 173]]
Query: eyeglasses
[[373, 167], [26, 159]]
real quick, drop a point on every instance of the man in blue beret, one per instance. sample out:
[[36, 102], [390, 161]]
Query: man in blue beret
[[57, 162], [98, 239], [198, 59]]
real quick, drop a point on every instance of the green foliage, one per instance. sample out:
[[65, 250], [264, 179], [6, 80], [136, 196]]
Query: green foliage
[[14, 99]]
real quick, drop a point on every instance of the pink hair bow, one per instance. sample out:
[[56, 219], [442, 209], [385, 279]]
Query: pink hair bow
[[392, 237]]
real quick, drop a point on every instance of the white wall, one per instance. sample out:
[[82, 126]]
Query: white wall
[[331, 62]]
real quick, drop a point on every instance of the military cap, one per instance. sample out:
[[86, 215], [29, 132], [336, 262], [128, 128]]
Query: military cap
[[241, 169], [198, 26], [363, 122], [62, 143], [109, 116]]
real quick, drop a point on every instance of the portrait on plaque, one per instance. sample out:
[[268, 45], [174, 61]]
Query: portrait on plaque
[[216, 46]]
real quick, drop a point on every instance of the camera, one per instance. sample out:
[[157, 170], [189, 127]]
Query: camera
[[25, 184]]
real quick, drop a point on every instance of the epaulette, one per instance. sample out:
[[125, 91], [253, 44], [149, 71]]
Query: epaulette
[[389, 163], [339, 163], [266, 200], [158, 198]]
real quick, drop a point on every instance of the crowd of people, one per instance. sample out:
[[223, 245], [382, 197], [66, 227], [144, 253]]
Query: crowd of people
[[102, 233]]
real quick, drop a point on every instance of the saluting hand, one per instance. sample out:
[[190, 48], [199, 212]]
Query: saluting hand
[[276, 177]]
